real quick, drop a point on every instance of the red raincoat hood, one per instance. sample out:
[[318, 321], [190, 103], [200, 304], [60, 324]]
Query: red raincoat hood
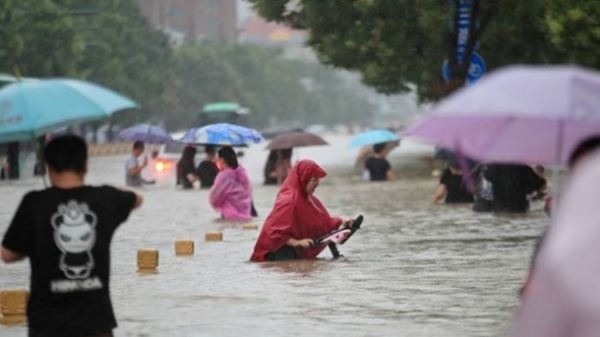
[[295, 214]]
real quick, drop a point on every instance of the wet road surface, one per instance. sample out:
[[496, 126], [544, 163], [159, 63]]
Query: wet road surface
[[413, 270]]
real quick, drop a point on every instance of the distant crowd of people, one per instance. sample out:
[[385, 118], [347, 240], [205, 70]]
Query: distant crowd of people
[[66, 230], [490, 187]]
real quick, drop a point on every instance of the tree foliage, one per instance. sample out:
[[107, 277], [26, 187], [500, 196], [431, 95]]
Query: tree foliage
[[38, 37], [109, 42], [262, 80], [396, 43], [575, 30], [122, 52]]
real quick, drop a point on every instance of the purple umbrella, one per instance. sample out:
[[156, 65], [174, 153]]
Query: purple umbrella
[[529, 114], [146, 133]]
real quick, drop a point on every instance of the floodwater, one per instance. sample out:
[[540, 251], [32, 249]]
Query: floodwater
[[413, 270]]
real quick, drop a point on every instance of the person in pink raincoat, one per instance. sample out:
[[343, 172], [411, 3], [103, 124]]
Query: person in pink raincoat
[[231, 193]]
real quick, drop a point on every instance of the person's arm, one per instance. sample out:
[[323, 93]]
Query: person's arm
[[125, 202], [8, 256], [439, 194], [390, 174], [304, 243], [19, 236], [537, 183], [137, 170], [362, 156], [192, 178], [280, 174], [219, 191], [139, 200]]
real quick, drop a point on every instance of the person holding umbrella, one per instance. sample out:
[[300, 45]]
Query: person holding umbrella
[[277, 167], [511, 184], [452, 187], [377, 166], [279, 162], [270, 168], [186, 172], [207, 169], [231, 194], [283, 165]]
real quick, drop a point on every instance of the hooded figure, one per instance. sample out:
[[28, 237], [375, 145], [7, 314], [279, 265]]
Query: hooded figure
[[297, 216], [231, 193]]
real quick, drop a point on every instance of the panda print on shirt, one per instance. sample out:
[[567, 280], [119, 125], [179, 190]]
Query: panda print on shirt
[[75, 235]]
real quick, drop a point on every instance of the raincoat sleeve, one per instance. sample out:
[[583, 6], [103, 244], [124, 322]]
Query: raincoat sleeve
[[332, 223], [219, 191], [335, 222], [278, 228]]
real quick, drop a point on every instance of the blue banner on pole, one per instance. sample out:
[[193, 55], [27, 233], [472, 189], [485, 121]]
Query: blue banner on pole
[[463, 25], [477, 69]]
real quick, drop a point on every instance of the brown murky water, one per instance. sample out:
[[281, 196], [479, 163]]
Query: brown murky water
[[414, 270]]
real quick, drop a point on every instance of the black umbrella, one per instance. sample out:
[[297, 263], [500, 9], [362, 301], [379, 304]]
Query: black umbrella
[[295, 139]]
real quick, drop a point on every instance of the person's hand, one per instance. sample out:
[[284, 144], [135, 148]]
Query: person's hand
[[145, 162], [305, 243], [346, 222]]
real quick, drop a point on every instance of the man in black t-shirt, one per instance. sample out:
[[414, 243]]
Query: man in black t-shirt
[[65, 231], [378, 167], [511, 183], [207, 169], [452, 188]]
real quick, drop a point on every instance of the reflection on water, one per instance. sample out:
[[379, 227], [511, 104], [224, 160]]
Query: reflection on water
[[414, 269], [301, 267]]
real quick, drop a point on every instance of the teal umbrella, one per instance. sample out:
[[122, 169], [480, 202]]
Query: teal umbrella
[[29, 109], [6, 79], [373, 137], [221, 107]]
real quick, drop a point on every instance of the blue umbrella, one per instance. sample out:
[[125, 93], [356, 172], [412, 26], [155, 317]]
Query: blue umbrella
[[221, 134], [29, 109], [146, 133], [374, 137]]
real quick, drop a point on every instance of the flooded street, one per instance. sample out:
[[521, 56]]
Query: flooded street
[[413, 270]]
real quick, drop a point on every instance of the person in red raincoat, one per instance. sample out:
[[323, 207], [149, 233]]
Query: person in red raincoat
[[297, 218]]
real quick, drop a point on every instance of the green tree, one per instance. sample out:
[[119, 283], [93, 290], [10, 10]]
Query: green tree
[[37, 38], [109, 42], [124, 53], [396, 43], [575, 27], [262, 80]]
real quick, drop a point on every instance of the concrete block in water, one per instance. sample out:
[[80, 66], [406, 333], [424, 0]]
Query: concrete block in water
[[13, 305], [147, 259], [184, 247], [214, 236], [250, 226]]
